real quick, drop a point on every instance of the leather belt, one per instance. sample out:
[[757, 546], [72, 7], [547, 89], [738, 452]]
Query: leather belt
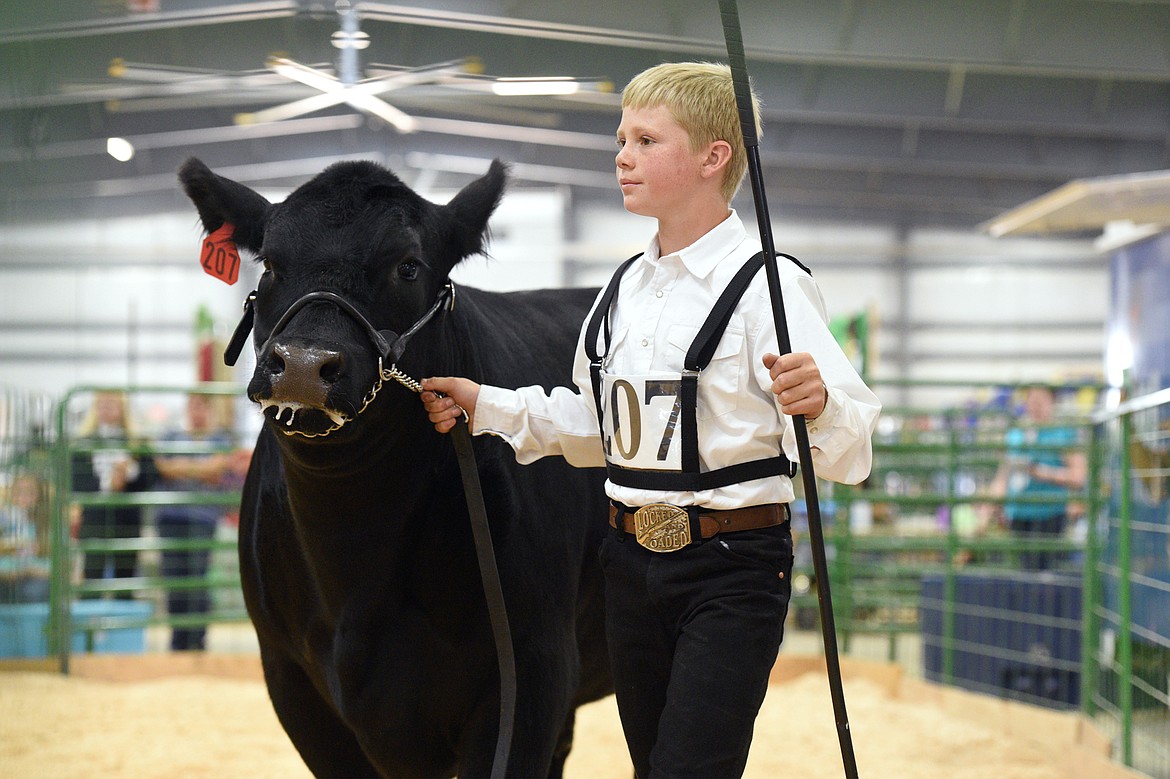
[[661, 527]]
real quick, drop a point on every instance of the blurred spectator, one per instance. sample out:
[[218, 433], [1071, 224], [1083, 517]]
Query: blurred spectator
[[216, 469], [1044, 467], [105, 464], [24, 524]]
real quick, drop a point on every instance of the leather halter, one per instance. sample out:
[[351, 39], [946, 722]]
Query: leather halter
[[388, 344]]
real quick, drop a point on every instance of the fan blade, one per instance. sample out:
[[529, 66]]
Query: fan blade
[[295, 108], [380, 108], [425, 74], [303, 73], [161, 74]]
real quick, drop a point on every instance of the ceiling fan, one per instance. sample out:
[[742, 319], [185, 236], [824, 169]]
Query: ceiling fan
[[362, 91], [347, 84], [164, 87]]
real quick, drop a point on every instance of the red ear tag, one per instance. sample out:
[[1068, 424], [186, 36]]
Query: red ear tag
[[219, 257]]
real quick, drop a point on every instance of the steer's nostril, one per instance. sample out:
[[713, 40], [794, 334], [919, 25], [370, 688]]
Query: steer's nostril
[[330, 370], [304, 374]]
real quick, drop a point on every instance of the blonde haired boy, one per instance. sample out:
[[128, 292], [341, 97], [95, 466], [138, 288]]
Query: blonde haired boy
[[684, 400]]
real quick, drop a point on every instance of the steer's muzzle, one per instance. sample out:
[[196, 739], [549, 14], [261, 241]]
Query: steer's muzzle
[[303, 374]]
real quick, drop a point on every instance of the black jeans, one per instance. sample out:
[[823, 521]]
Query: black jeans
[[103, 523], [693, 636], [1039, 529], [187, 525]]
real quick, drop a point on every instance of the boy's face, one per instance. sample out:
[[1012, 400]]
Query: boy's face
[[656, 168]]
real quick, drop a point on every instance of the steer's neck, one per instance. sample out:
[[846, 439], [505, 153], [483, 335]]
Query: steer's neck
[[392, 461], [355, 515]]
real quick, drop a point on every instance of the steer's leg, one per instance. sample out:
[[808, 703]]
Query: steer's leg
[[564, 744], [326, 745], [542, 702], [477, 743], [547, 679]]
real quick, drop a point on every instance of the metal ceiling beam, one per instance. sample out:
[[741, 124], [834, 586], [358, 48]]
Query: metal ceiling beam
[[1067, 38], [904, 107], [30, 22], [900, 34]]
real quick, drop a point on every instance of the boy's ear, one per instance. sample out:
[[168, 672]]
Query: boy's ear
[[717, 159]]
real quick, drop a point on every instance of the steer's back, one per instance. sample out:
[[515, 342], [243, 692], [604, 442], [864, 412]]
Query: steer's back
[[531, 335]]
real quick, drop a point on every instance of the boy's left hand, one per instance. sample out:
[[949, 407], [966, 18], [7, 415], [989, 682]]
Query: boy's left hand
[[797, 384]]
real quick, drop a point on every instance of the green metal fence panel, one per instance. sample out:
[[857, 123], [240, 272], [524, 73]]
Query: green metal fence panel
[[922, 517], [1127, 581], [100, 568], [25, 508]]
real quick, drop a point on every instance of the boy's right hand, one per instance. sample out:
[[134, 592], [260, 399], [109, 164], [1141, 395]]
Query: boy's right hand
[[458, 397]]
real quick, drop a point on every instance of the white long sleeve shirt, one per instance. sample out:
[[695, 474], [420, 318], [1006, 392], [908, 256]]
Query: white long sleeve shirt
[[661, 303]]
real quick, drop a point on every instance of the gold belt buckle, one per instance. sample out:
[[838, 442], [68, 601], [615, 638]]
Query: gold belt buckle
[[661, 527]]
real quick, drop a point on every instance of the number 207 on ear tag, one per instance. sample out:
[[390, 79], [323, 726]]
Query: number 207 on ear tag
[[219, 256]]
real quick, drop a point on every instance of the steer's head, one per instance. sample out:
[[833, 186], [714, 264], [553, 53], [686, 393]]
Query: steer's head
[[381, 253]]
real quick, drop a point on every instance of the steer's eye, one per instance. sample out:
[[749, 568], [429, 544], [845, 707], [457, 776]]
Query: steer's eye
[[408, 270], [267, 263]]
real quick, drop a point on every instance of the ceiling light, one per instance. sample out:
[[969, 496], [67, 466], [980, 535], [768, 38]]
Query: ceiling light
[[554, 85], [120, 149]]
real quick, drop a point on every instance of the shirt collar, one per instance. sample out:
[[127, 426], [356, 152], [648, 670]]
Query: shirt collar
[[701, 257]]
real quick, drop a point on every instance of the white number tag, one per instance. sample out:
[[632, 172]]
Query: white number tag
[[641, 415]]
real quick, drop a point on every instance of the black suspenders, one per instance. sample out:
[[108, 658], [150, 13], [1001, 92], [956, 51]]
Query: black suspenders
[[601, 318], [702, 349]]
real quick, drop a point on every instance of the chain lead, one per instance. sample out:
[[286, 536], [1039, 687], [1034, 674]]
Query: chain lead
[[383, 376]]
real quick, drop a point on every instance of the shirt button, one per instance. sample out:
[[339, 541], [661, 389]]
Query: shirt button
[[645, 342], [658, 294]]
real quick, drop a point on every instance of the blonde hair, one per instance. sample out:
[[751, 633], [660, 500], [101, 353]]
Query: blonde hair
[[38, 513], [90, 424], [701, 97]]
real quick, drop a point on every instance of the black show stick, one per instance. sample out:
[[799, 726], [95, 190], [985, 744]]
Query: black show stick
[[747, 119]]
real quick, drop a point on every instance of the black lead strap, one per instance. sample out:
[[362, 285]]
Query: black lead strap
[[733, 36], [493, 591]]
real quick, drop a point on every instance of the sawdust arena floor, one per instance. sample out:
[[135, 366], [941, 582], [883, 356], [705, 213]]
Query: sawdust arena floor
[[161, 715]]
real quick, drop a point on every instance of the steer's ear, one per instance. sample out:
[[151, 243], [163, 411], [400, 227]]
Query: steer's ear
[[473, 206], [220, 200]]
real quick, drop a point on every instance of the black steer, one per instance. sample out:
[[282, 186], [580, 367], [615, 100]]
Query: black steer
[[356, 552]]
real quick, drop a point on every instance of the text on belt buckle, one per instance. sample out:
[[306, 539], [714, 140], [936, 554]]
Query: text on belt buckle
[[661, 527]]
